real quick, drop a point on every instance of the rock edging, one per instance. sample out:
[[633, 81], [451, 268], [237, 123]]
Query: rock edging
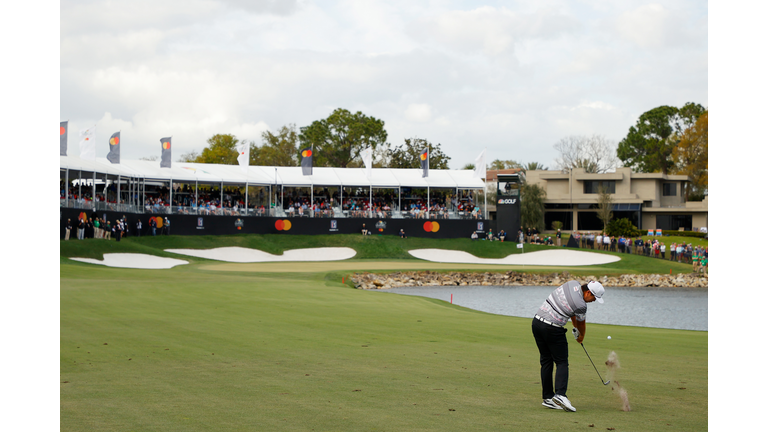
[[512, 278]]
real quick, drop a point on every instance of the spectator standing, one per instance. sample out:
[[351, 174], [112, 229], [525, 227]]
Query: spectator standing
[[695, 259], [167, 226], [80, 229], [108, 231], [138, 228], [153, 226], [607, 242], [558, 235], [599, 241], [673, 252], [663, 250]]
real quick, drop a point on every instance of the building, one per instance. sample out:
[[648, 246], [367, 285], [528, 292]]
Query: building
[[649, 200]]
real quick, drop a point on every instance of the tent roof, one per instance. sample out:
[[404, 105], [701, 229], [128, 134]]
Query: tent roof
[[264, 175]]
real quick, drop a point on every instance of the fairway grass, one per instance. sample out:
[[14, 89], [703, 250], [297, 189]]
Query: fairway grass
[[215, 346]]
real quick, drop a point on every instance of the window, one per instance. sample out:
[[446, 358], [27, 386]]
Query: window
[[669, 189], [593, 186]]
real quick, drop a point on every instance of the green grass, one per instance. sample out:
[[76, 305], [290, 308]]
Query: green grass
[[198, 348], [368, 248]]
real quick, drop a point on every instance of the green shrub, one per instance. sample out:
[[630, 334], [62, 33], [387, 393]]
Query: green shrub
[[622, 227], [556, 225], [672, 233]]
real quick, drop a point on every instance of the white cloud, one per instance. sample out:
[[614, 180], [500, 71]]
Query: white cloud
[[420, 113], [514, 79]]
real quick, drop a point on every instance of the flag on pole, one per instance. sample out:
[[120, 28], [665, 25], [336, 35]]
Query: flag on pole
[[424, 163], [114, 148], [306, 161], [165, 157], [63, 128], [480, 166], [367, 155], [88, 143], [243, 155]]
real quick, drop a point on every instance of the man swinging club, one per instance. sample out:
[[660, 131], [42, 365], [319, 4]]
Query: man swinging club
[[567, 301]]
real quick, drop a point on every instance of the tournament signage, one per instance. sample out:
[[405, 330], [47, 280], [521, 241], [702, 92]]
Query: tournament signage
[[381, 226], [507, 201]]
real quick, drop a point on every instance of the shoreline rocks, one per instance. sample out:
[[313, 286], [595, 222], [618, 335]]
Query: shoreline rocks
[[512, 278]]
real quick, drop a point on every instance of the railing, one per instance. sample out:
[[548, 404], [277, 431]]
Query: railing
[[335, 212]]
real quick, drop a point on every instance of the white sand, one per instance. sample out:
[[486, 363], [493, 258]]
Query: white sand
[[244, 255], [555, 257], [131, 260]]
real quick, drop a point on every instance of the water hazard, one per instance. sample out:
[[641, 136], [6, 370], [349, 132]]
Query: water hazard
[[671, 308]]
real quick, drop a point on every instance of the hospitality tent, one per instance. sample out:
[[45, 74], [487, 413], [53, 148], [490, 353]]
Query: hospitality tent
[[136, 173]]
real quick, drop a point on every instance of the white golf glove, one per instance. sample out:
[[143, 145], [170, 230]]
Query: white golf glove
[[576, 333]]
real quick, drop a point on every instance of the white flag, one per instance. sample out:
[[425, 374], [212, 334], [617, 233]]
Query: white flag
[[367, 155], [480, 166], [243, 155], [88, 143]]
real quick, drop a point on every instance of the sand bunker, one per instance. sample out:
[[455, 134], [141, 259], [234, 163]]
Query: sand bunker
[[131, 260], [556, 257], [244, 255]]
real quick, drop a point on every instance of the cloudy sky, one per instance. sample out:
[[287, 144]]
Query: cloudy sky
[[512, 77]]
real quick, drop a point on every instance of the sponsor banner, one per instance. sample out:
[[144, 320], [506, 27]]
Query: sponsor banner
[[507, 201]]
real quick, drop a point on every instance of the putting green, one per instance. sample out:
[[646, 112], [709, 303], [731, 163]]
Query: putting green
[[353, 265]]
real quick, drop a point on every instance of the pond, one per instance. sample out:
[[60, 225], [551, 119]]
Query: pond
[[670, 308]]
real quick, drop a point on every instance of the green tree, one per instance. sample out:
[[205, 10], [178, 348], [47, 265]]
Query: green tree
[[339, 139], [691, 158], [277, 149], [622, 227], [604, 206], [406, 155], [532, 198], [221, 150], [469, 166], [533, 166], [649, 144], [499, 164]]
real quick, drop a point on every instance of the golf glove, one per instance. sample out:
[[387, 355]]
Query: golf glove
[[575, 333]]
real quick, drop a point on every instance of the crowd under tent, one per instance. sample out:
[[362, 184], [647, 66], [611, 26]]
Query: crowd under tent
[[130, 185]]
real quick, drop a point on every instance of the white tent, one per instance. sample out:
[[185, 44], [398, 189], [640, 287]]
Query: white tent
[[265, 175], [136, 174]]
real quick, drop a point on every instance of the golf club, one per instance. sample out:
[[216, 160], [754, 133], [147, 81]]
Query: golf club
[[575, 335]]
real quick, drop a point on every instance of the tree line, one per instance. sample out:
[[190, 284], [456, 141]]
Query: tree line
[[338, 141], [665, 139]]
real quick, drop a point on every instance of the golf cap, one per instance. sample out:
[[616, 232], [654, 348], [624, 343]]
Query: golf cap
[[596, 288]]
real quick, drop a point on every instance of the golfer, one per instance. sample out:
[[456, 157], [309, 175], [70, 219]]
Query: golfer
[[567, 301]]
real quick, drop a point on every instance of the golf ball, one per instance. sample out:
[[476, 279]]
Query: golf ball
[[609, 337]]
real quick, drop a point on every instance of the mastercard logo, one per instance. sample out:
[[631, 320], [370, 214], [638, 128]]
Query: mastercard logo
[[283, 225], [159, 222], [114, 141], [306, 153], [166, 145], [62, 130], [431, 226], [424, 156]]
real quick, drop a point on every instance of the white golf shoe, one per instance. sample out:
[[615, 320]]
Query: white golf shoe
[[564, 403], [549, 404]]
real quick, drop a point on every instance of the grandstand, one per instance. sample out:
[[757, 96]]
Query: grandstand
[[223, 199]]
